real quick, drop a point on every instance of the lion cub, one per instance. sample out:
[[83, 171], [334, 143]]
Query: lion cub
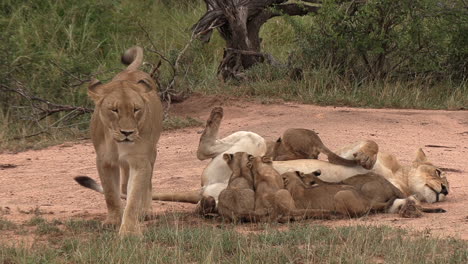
[[299, 143], [272, 201], [239, 196], [377, 191], [344, 199]]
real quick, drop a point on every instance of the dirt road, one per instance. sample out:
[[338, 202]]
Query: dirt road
[[43, 179]]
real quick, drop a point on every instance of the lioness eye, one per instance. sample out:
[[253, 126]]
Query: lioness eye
[[115, 110], [136, 110], [439, 172]]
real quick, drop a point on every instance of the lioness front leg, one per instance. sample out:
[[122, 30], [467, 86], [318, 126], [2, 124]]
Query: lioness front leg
[[110, 179], [124, 175], [139, 196]]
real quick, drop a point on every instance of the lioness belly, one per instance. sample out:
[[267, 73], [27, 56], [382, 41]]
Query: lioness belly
[[329, 172]]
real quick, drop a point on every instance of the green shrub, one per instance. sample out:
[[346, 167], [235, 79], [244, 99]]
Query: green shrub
[[378, 39]]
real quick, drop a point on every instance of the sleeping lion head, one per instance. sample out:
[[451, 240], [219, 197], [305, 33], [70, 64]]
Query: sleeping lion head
[[427, 181]]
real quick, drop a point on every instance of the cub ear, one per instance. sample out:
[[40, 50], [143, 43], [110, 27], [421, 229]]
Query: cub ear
[[420, 157], [250, 157], [279, 140], [147, 84], [228, 157], [94, 92], [317, 173], [300, 174], [266, 159]]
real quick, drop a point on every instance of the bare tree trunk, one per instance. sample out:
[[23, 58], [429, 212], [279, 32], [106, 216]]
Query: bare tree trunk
[[239, 23]]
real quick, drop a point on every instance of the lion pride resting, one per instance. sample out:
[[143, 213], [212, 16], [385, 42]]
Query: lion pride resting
[[422, 178], [125, 127], [256, 193]]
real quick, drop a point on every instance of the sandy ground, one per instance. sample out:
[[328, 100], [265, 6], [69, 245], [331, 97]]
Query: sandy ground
[[43, 180]]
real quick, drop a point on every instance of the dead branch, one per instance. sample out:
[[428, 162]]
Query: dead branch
[[168, 92], [43, 107]]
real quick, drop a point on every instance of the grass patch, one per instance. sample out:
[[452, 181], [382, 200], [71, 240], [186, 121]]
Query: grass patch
[[44, 227], [6, 224], [173, 240]]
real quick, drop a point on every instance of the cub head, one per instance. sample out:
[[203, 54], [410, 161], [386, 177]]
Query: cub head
[[293, 178], [240, 163], [310, 179], [274, 148], [122, 107], [259, 163], [428, 182]]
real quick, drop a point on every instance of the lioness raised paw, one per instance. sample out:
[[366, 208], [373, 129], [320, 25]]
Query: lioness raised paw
[[207, 148], [215, 117], [366, 155]]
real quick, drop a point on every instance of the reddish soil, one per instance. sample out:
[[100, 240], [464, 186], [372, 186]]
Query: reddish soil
[[42, 180]]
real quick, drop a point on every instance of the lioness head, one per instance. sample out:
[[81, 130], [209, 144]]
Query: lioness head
[[428, 182], [240, 163], [122, 106]]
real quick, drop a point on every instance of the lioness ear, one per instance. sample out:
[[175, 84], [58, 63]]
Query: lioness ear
[[266, 159], [228, 157], [317, 173], [420, 157], [147, 84], [93, 90]]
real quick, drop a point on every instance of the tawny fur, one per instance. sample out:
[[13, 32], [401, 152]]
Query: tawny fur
[[125, 128]]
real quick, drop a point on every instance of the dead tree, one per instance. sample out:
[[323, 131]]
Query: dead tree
[[239, 23]]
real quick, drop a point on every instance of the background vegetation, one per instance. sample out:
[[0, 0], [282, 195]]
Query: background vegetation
[[406, 54]]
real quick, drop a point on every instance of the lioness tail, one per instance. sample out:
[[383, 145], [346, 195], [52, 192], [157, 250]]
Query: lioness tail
[[133, 57], [89, 183], [184, 197]]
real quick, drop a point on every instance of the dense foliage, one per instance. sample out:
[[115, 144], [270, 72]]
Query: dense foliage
[[385, 38], [376, 53]]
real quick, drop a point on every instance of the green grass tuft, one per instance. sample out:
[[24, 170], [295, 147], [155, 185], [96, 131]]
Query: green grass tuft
[[173, 240]]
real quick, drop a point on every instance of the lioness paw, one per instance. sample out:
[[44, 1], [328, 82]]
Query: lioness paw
[[215, 116]]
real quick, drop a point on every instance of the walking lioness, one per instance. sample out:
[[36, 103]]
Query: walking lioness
[[125, 128]]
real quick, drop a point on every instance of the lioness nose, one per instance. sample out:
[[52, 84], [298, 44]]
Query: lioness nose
[[126, 132], [444, 190]]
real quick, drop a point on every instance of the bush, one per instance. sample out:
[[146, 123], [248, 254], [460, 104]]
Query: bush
[[377, 39]]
